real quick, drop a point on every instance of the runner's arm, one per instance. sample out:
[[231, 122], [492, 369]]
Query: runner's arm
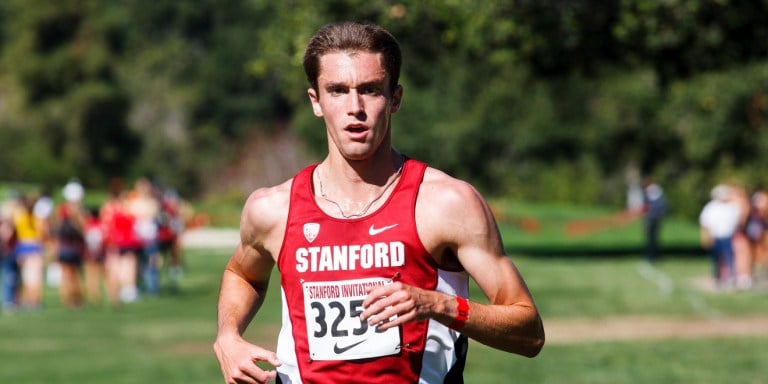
[[454, 220], [243, 288], [510, 321]]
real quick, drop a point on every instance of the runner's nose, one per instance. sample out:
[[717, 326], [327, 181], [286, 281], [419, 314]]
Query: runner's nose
[[355, 103]]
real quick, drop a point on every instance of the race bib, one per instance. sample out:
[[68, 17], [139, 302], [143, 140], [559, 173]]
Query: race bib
[[334, 328]]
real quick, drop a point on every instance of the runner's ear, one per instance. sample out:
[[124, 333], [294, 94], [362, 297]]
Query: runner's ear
[[314, 98], [397, 97]]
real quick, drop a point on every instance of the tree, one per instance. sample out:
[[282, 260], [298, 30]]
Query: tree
[[67, 78]]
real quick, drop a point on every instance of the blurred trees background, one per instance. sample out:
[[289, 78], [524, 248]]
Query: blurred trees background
[[549, 100]]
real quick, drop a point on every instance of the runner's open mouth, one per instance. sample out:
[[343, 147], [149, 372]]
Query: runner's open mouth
[[356, 128]]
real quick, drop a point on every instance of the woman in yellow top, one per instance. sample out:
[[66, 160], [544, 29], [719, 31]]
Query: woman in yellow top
[[29, 253]]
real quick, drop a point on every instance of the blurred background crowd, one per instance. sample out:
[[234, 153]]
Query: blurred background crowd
[[733, 228], [111, 252]]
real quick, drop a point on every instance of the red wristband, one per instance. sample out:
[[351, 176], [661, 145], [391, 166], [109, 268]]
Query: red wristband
[[462, 313]]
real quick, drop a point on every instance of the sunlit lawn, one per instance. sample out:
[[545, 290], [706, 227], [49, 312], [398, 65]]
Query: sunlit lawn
[[168, 339]]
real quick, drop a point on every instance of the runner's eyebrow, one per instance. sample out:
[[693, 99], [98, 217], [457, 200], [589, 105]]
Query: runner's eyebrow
[[378, 83]]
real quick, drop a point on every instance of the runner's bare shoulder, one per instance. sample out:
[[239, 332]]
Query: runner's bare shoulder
[[449, 211], [444, 195], [265, 213]]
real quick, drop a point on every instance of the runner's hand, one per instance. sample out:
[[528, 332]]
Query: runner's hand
[[405, 302], [238, 359]]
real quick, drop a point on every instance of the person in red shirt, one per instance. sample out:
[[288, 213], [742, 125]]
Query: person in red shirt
[[375, 250], [122, 246]]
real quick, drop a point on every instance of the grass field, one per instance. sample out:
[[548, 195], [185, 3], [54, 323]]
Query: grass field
[[168, 339]]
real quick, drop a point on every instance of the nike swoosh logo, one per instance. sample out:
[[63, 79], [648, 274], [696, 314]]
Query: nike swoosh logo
[[341, 350], [372, 231]]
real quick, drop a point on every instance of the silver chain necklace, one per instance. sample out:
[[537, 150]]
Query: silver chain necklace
[[367, 207]]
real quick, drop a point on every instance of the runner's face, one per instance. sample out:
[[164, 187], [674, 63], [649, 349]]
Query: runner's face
[[354, 99]]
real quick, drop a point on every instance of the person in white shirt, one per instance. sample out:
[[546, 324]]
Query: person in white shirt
[[719, 220]]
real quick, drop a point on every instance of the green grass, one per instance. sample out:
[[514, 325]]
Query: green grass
[[164, 339], [733, 360], [588, 288], [168, 339]]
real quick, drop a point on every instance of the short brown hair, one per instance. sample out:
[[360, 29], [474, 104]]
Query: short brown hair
[[353, 36]]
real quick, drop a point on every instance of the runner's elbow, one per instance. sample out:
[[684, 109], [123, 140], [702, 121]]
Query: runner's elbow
[[534, 342], [534, 347]]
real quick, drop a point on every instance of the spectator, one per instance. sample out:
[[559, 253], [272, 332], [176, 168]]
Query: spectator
[[94, 256], [655, 208], [10, 268], [170, 227], [122, 246], [70, 243], [29, 253], [758, 235], [742, 248], [145, 208], [719, 220], [43, 211]]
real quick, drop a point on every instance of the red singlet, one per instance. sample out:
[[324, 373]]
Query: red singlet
[[327, 263]]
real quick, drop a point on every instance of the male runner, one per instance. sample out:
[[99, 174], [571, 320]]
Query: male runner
[[374, 249]]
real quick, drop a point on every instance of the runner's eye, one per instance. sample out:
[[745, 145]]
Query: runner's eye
[[370, 90], [336, 90]]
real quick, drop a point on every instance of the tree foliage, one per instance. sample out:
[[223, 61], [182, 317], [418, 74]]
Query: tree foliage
[[547, 99]]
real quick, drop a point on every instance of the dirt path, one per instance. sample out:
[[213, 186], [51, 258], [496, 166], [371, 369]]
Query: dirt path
[[210, 238], [572, 331]]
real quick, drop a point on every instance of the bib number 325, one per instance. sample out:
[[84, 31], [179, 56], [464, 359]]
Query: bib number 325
[[334, 328]]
